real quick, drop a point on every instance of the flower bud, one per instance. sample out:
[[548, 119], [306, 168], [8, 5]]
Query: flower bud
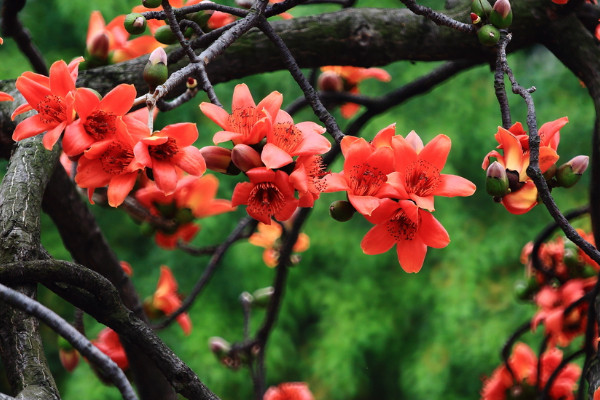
[[501, 15], [156, 71], [488, 35], [244, 3], [135, 23], [69, 359], [191, 83], [481, 8], [218, 159], [151, 3], [496, 182], [245, 157], [165, 35], [184, 216], [475, 19], [219, 346], [263, 296], [98, 46], [329, 81], [569, 173], [550, 172], [246, 298], [526, 290], [341, 210]]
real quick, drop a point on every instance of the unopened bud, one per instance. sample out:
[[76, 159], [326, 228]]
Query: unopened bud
[[569, 173], [475, 19], [164, 34], [526, 290], [244, 3], [98, 46], [263, 296], [488, 35], [135, 23], [151, 3], [218, 159], [501, 15], [219, 346], [496, 182], [245, 157], [191, 83], [481, 7], [69, 359], [341, 210], [246, 298], [329, 81], [550, 172], [156, 71]]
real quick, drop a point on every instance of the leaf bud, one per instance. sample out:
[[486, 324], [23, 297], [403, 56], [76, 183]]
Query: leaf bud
[[135, 23], [341, 210], [329, 81], [569, 173], [501, 15], [156, 71], [496, 182], [245, 157], [263, 296], [488, 35]]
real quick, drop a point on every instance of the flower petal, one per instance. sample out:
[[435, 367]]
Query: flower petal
[[119, 187], [377, 240], [411, 255]]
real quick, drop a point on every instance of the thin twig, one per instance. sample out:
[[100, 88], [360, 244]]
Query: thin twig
[[108, 367], [437, 17]]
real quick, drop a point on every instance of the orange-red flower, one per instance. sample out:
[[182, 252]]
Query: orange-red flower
[[286, 140], [98, 119], [289, 391], [52, 97], [407, 226], [553, 302], [118, 47], [6, 97], [418, 170], [169, 149], [268, 236], [351, 77], [269, 194], [185, 233], [248, 123], [364, 177], [515, 158], [166, 298], [307, 179], [108, 342], [524, 365]]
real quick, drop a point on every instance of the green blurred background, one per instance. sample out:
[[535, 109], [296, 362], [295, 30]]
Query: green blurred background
[[353, 326]]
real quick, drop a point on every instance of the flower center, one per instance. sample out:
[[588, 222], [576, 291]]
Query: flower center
[[51, 109], [314, 170], [366, 180], [164, 151], [99, 124], [400, 227], [116, 158], [422, 178], [286, 136], [266, 199], [242, 120]]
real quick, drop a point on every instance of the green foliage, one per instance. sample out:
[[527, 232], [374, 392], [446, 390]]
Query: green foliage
[[353, 326]]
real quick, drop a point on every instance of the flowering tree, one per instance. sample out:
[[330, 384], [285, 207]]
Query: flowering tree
[[89, 123]]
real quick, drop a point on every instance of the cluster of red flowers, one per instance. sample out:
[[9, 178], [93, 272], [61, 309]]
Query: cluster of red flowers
[[392, 182], [507, 176], [559, 278], [111, 43], [279, 157]]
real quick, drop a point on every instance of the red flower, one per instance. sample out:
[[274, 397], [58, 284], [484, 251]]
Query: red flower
[[185, 233], [167, 300], [523, 363], [418, 170], [351, 77], [289, 391], [269, 194], [98, 119], [198, 194], [169, 149], [248, 123], [53, 99], [307, 179], [515, 158], [407, 226], [108, 342], [267, 236], [286, 140], [364, 176], [6, 97]]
